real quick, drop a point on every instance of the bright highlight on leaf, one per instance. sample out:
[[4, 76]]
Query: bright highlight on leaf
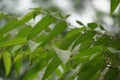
[[13, 42], [7, 62], [113, 5]]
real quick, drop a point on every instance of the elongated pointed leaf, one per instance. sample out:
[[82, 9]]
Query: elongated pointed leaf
[[13, 42], [14, 23], [7, 62], [103, 40], [70, 37], [51, 67], [18, 57], [26, 18], [24, 32], [8, 26], [80, 23], [89, 51], [33, 73], [41, 25], [86, 44], [91, 68], [59, 28], [113, 6], [41, 62], [83, 37], [18, 65], [87, 55]]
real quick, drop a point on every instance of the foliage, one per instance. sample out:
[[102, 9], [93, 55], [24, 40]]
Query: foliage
[[51, 50]]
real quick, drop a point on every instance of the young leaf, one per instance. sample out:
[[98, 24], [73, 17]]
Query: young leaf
[[113, 5], [59, 27], [7, 62], [13, 42], [18, 57]]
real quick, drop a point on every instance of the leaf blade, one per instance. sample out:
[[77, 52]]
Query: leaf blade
[[113, 5], [13, 42], [7, 62]]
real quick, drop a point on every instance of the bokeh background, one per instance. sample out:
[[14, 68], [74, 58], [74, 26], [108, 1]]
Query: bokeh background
[[85, 11]]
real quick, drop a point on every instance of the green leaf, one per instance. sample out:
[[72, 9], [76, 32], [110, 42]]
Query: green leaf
[[8, 26], [113, 5], [26, 18], [59, 28], [83, 37], [115, 44], [51, 67], [86, 44], [16, 47], [7, 62], [103, 40], [18, 65], [112, 74], [70, 37], [24, 32], [80, 23], [41, 38], [4, 38], [18, 57], [40, 62], [41, 25], [12, 24], [33, 72], [1, 15], [88, 52], [92, 25], [58, 72], [89, 69], [64, 55], [101, 27], [0, 56], [13, 42]]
